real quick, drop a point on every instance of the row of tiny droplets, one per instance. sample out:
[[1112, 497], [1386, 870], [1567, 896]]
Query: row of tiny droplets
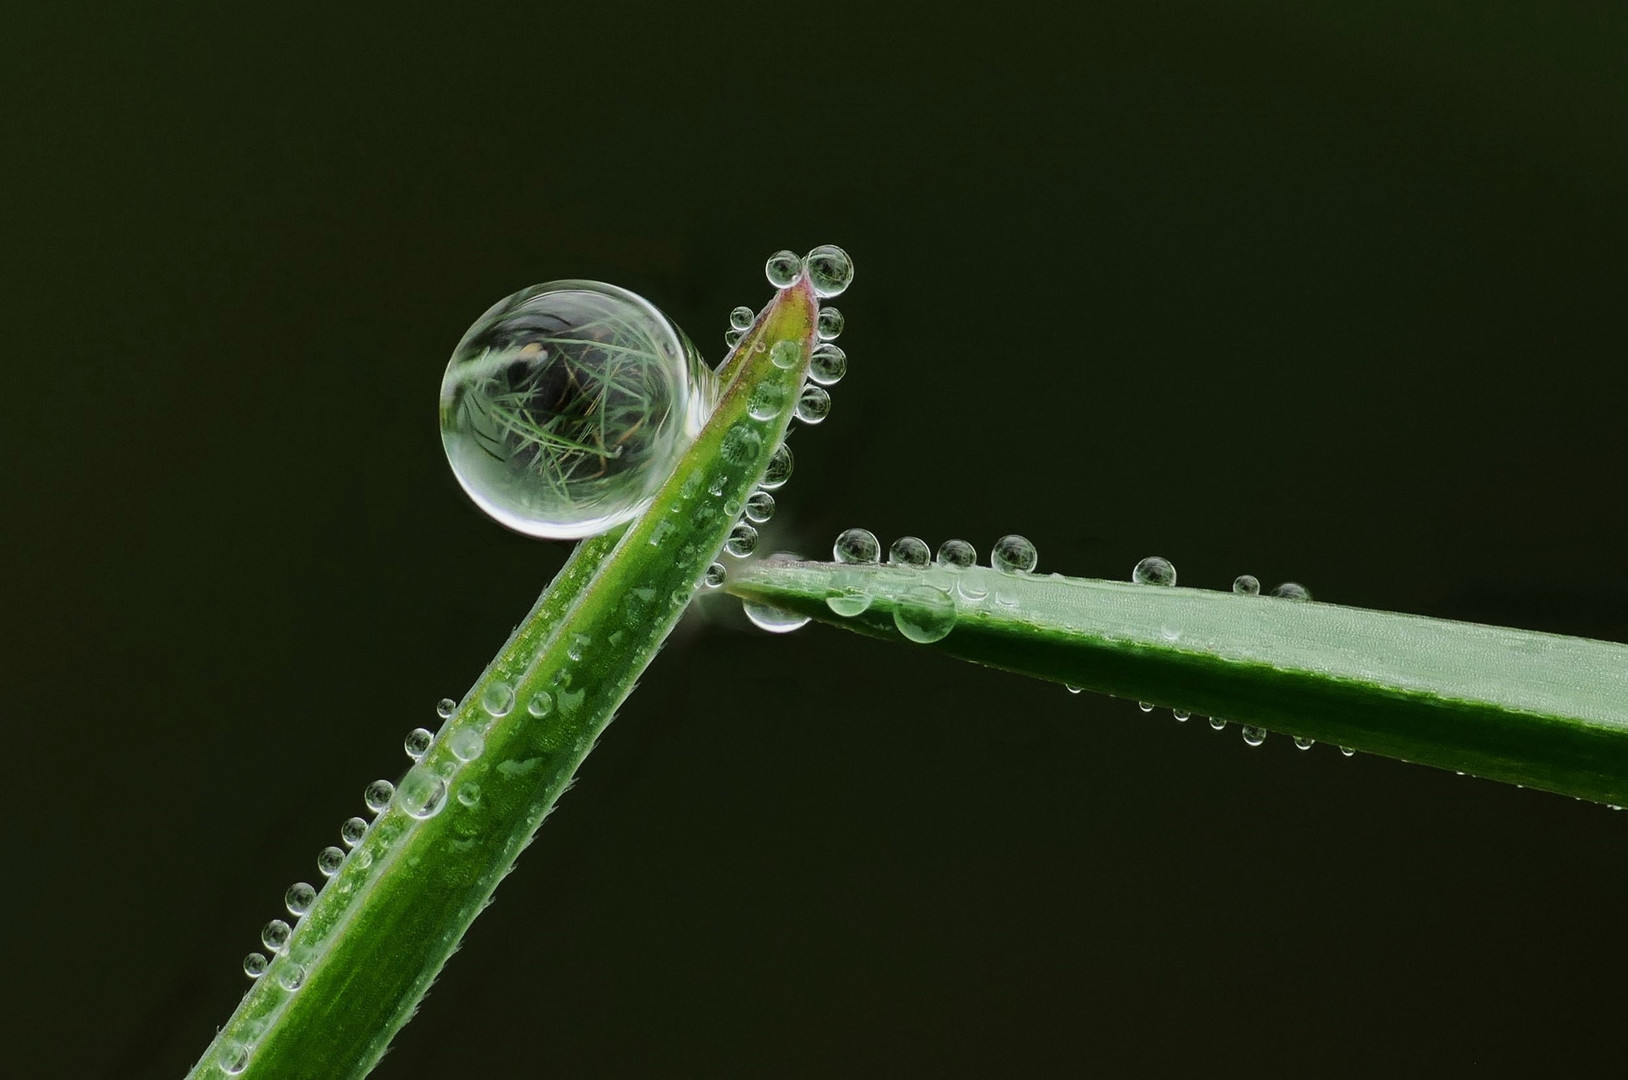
[[830, 271], [421, 795], [927, 612]]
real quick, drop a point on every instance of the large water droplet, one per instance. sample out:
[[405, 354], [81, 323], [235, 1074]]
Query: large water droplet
[[417, 743], [1253, 735], [421, 793], [715, 576], [274, 935], [254, 965], [741, 317], [1292, 590], [742, 541], [814, 405], [498, 699], [300, 897], [774, 620], [783, 269], [1014, 554], [857, 547], [956, 554], [1246, 585], [329, 860], [760, 507], [910, 552], [445, 708], [829, 324], [378, 795], [828, 364], [830, 270], [1154, 570], [565, 406], [924, 614], [779, 470]]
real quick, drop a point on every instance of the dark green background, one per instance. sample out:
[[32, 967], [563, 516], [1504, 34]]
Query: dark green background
[[1333, 295]]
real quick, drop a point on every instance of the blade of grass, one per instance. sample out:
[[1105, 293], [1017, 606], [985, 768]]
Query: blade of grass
[[1542, 710], [366, 951]]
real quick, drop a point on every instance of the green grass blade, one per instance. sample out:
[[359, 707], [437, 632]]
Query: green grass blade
[[363, 956], [1542, 710]]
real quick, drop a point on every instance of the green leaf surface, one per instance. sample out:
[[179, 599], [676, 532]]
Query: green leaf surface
[[363, 956], [1542, 710]]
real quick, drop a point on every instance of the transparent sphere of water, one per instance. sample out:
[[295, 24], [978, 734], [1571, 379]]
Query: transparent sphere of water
[[1154, 570], [565, 405], [830, 270]]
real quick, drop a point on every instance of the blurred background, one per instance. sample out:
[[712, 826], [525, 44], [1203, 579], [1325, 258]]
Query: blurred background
[[1330, 293]]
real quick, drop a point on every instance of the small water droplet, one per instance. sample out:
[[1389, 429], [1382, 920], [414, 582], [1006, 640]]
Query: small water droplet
[[445, 708], [910, 552], [233, 1056], [254, 965], [830, 270], [1303, 743], [1247, 585], [732, 506], [783, 269], [779, 470], [541, 704], [741, 444], [468, 793], [857, 547], [329, 860], [378, 795], [760, 507], [956, 554], [1217, 723], [972, 584], [299, 898], [829, 324], [741, 317], [715, 575], [1254, 736], [1154, 570], [498, 699], [768, 398], [828, 364], [421, 793], [786, 355], [1292, 590], [579, 645], [924, 614], [417, 743], [1071, 689], [1145, 706], [852, 597], [1014, 554], [467, 744], [774, 620], [352, 831], [742, 541], [733, 338], [814, 405], [1347, 751], [291, 976], [1181, 715], [274, 935]]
